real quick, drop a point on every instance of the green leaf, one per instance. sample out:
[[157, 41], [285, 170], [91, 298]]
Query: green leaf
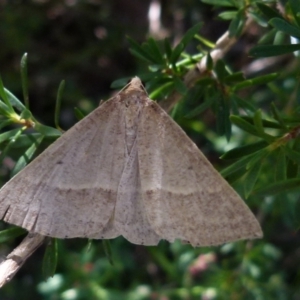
[[235, 176], [223, 113], [228, 15], [26, 114], [258, 157], [209, 62], [260, 80], [281, 166], [235, 77], [241, 163], [251, 178], [256, 16], [153, 48], [268, 11], [280, 38], [243, 103], [12, 140], [176, 54], [188, 60], [189, 35], [220, 70], [174, 110], [257, 120], [107, 251], [292, 154], [194, 94], [137, 50], [277, 116], [27, 156], [244, 125], [120, 83], [168, 49], [139, 55], [15, 102], [268, 37], [78, 114], [4, 110], [205, 42], [206, 82], [26, 140], [294, 4], [24, 80], [50, 259], [202, 107], [58, 103], [4, 97], [8, 135], [292, 169], [11, 233], [237, 24], [266, 123], [256, 130], [157, 82], [273, 50], [279, 187], [180, 86], [46, 130], [89, 245], [235, 109], [244, 150], [5, 123], [161, 88], [284, 26]]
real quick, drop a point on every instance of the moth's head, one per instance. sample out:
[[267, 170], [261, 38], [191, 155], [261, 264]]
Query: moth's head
[[135, 98], [136, 83], [135, 86]]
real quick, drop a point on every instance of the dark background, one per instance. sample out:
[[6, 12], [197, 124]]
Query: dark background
[[85, 43]]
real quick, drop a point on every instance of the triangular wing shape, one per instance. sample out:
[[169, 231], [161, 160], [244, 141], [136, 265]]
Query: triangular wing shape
[[127, 169], [70, 190], [184, 196]]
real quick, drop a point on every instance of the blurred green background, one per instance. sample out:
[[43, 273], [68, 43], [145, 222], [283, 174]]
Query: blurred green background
[[85, 43]]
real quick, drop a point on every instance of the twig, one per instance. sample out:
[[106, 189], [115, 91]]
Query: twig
[[223, 44], [13, 262]]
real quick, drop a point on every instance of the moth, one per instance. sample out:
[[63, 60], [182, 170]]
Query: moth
[[127, 169]]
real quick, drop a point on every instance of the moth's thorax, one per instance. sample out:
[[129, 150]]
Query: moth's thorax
[[134, 102]]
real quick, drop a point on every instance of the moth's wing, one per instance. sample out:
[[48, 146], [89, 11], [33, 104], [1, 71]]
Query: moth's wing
[[70, 190], [130, 218], [184, 196]]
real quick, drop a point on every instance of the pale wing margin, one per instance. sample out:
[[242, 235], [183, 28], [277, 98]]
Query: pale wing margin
[[70, 189], [184, 196]]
